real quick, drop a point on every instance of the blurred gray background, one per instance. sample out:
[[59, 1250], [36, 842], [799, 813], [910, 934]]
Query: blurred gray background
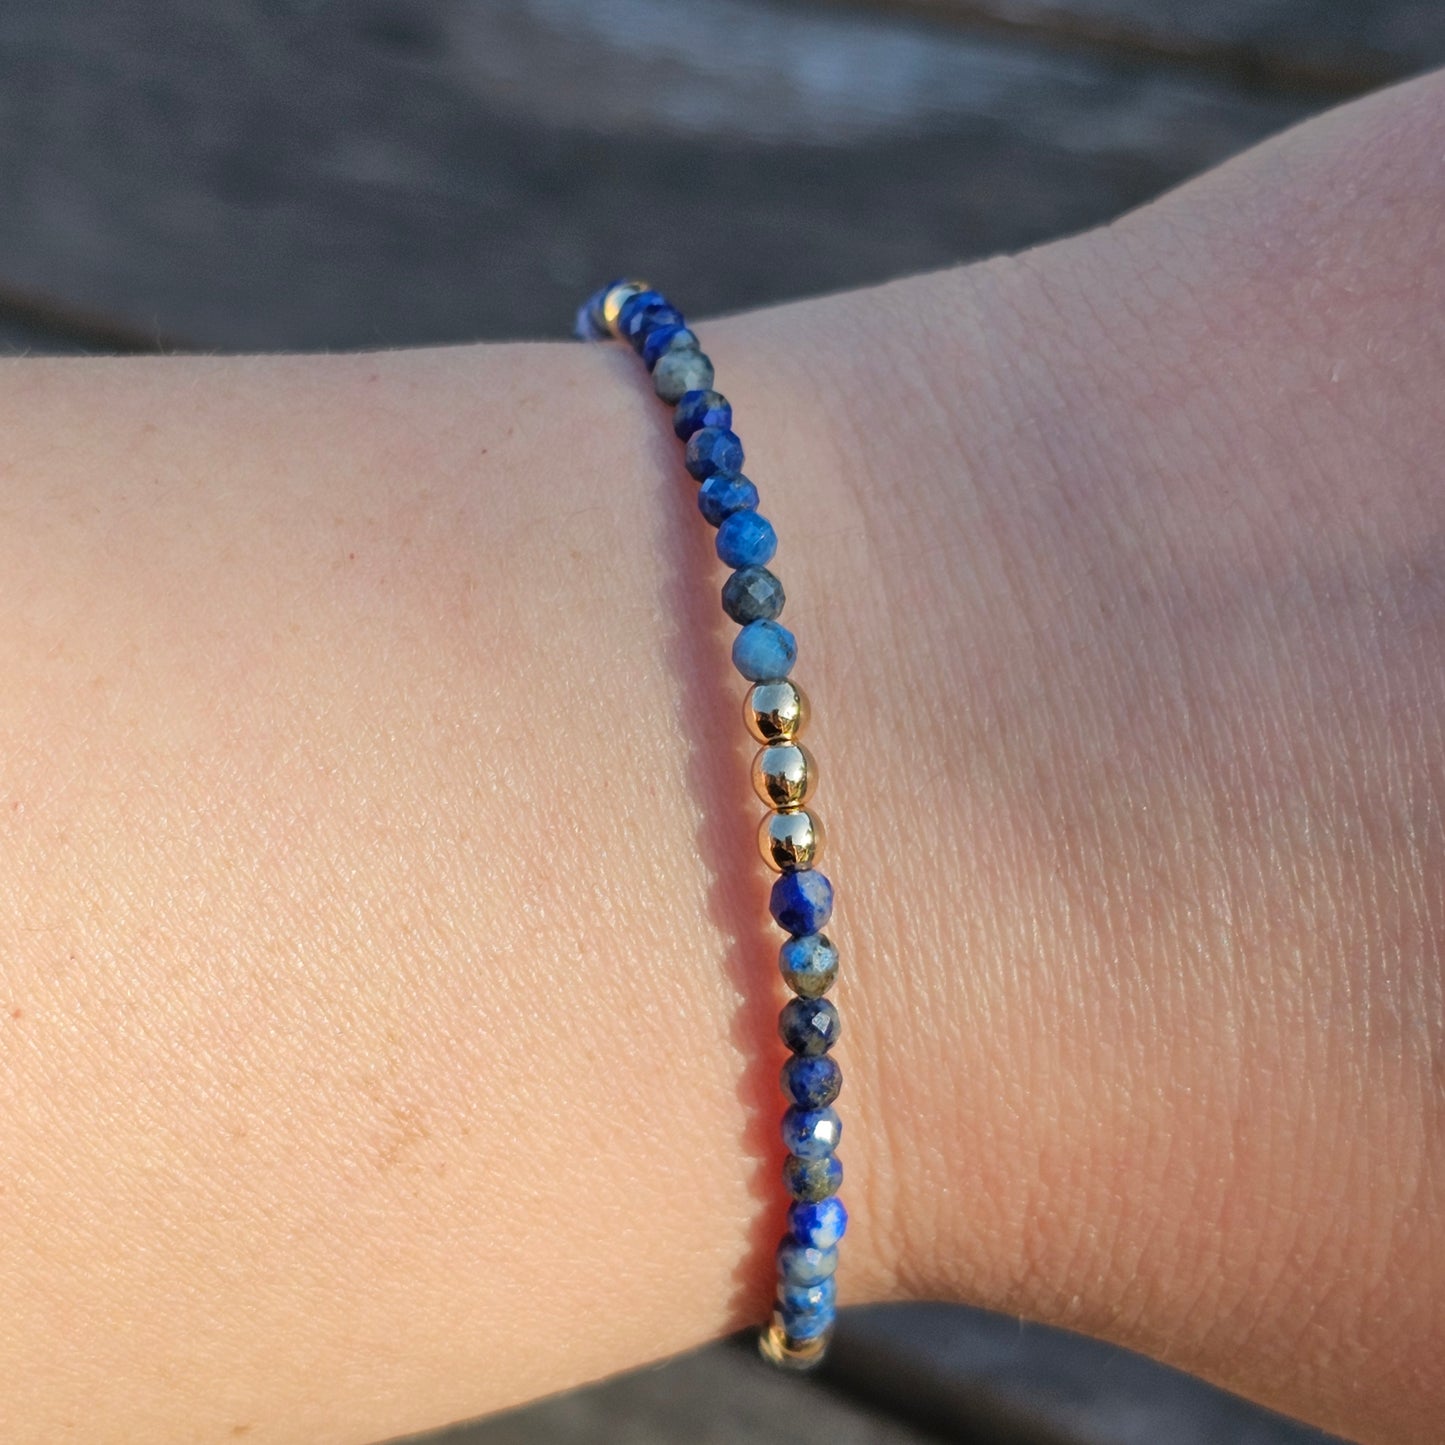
[[309, 174]]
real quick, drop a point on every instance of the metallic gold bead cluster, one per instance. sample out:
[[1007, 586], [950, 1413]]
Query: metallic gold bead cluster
[[785, 775]]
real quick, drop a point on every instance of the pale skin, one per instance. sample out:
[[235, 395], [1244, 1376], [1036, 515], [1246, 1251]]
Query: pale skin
[[387, 987]]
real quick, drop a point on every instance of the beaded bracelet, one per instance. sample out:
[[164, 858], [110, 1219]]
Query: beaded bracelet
[[784, 775]]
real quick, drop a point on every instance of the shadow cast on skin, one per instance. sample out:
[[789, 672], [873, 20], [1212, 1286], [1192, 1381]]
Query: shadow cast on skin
[[709, 709]]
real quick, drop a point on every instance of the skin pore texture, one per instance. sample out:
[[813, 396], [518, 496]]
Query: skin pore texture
[[387, 994]]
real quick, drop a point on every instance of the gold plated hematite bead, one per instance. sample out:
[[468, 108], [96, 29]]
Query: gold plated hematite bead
[[791, 839], [616, 299], [776, 712], [784, 775], [777, 1348]]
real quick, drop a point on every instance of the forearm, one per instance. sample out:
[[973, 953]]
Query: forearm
[[390, 987]]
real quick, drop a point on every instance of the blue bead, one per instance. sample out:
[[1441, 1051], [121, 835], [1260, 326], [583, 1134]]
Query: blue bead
[[802, 902], [713, 449], [807, 1324], [746, 539], [719, 497], [811, 1133], [812, 1178], [764, 651], [822, 1224], [698, 409], [809, 964], [808, 1299], [662, 339], [812, 1081], [809, 1026], [802, 1264], [751, 594], [644, 313]]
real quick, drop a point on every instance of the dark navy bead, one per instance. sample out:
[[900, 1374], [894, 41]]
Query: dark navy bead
[[663, 339], [812, 1178], [809, 1026], [802, 902], [719, 497], [808, 1298], [679, 372], [822, 1224], [752, 594], [801, 1264], [764, 651], [811, 1133], [698, 409], [809, 964], [642, 314], [711, 450], [812, 1081], [746, 539]]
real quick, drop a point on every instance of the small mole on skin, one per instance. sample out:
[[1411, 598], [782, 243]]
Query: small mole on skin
[[240, 1430], [17, 1013]]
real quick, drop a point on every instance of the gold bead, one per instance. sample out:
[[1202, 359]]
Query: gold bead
[[784, 775], [791, 839], [776, 712], [616, 298], [788, 1354]]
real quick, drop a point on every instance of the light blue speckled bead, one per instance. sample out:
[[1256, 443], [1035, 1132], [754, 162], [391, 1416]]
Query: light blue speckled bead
[[764, 651], [746, 539], [808, 1298], [809, 964], [802, 1264], [801, 1325], [811, 1133], [821, 1224], [679, 372]]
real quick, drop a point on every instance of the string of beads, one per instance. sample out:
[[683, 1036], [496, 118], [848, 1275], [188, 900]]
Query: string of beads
[[784, 775]]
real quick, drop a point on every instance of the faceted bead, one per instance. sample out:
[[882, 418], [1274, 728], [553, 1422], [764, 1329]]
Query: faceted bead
[[644, 313], [812, 1081], [792, 838], [764, 650], [812, 1178], [698, 409], [811, 1133], [746, 539], [663, 339], [802, 1264], [784, 774], [802, 902], [809, 1026], [752, 594], [808, 1298], [804, 1325], [822, 1224], [776, 712], [809, 964], [679, 372], [713, 449], [719, 497]]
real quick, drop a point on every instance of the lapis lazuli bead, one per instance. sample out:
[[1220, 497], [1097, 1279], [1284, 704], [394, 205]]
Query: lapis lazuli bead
[[812, 1178], [662, 339], [803, 1325], [802, 902], [713, 449], [746, 539], [809, 1025], [679, 372], [752, 594], [811, 1133], [698, 409], [822, 1224], [808, 1299], [812, 1081], [764, 651], [719, 497], [809, 964], [643, 313], [802, 1264]]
